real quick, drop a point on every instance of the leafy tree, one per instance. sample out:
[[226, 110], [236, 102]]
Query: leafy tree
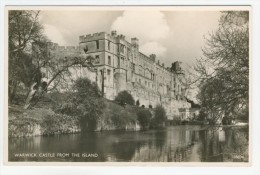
[[30, 58], [159, 117], [23, 30], [144, 117], [124, 97], [85, 102], [224, 70]]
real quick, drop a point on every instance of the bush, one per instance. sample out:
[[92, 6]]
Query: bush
[[159, 117], [117, 117], [85, 102], [124, 97], [144, 117], [137, 103], [59, 124]]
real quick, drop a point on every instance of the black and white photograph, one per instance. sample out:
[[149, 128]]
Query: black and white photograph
[[128, 84]]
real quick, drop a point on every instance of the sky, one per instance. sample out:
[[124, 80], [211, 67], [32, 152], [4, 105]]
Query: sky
[[171, 35]]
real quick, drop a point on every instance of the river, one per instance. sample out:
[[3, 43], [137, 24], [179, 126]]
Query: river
[[172, 144]]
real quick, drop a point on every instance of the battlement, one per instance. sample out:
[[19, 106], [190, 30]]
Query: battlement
[[94, 36], [68, 48], [56, 48], [102, 35]]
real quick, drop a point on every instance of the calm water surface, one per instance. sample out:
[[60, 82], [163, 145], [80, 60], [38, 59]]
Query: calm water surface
[[173, 144]]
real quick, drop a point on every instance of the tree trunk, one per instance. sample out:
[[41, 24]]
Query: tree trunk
[[12, 92], [30, 95]]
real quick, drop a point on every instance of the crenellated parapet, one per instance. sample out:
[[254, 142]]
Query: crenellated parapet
[[90, 37], [61, 52], [102, 35], [55, 47]]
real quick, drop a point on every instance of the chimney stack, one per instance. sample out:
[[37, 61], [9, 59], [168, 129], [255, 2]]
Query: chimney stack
[[153, 57], [135, 42], [113, 33]]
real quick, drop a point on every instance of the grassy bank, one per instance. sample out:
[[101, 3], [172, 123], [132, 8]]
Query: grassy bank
[[44, 121], [39, 121]]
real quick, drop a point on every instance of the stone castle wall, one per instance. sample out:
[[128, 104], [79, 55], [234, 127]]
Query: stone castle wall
[[119, 65]]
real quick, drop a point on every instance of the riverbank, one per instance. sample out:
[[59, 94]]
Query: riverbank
[[42, 121], [39, 121]]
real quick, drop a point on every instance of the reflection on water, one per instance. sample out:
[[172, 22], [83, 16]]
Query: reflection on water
[[173, 144]]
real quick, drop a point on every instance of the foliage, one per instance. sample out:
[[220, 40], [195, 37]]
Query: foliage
[[124, 97], [159, 117], [30, 58], [23, 30], [137, 103], [59, 124], [40, 121], [85, 102], [202, 116], [144, 116], [223, 72]]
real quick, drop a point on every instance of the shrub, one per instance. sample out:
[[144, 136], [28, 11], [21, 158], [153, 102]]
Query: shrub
[[85, 102], [59, 123], [159, 117], [117, 117], [144, 117], [124, 97]]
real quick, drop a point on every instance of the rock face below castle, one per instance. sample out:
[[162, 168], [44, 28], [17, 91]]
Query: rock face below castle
[[118, 65]]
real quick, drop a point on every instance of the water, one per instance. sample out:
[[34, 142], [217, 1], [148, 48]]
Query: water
[[173, 144]]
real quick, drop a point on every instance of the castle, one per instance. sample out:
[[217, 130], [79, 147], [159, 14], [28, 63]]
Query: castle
[[118, 65]]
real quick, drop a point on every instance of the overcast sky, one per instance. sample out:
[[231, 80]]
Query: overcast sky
[[171, 35]]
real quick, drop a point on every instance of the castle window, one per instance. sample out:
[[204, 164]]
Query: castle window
[[108, 75], [145, 83], [122, 48], [118, 62], [122, 63], [97, 59], [97, 44], [109, 60], [108, 45]]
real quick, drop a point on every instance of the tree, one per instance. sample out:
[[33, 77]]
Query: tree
[[85, 102], [159, 117], [124, 97], [23, 30], [137, 103], [30, 57], [224, 70], [144, 117], [59, 71]]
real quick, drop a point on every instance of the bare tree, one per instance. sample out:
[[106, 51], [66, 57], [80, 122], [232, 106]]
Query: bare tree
[[29, 58], [57, 68], [223, 72]]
